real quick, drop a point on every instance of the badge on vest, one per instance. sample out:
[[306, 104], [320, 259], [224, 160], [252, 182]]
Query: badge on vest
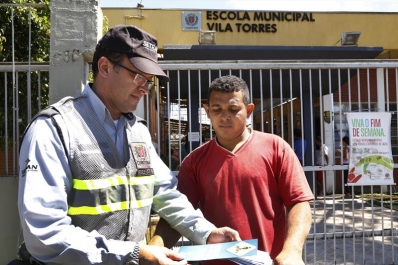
[[142, 160]]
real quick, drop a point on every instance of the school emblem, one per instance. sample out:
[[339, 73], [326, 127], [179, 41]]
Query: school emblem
[[191, 19]]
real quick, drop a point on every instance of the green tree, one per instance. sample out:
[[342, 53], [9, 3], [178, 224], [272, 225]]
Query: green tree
[[23, 14]]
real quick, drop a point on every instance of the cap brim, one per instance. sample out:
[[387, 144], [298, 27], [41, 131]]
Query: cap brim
[[149, 67]]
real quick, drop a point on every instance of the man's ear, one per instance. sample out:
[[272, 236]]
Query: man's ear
[[206, 107], [103, 66], [250, 109]]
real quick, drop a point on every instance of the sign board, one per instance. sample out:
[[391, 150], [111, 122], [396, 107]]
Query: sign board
[[193, 136], [192, 21], [371, 160]]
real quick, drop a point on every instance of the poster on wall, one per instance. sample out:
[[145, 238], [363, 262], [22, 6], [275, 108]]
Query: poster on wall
[[371, 160], [191, 21]]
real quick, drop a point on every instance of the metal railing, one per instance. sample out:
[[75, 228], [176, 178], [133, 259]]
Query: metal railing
[[24, 87], [287, 95], [292, 95]]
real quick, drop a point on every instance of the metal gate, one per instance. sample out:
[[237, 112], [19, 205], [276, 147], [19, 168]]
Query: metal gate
[[314, 97], [24, 83]]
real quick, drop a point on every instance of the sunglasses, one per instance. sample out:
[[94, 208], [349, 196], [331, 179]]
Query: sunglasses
[[139, 80]]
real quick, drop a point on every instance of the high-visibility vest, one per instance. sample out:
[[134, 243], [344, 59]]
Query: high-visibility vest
[[109, 195]]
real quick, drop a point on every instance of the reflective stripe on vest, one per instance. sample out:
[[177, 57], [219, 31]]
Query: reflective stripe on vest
[[105, 194], [95, 184]]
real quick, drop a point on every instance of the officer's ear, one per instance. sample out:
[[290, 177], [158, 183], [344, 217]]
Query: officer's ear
[[104, 66]]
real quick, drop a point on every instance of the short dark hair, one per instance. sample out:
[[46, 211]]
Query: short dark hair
[[113, 56], [346, 139], [230, 83]]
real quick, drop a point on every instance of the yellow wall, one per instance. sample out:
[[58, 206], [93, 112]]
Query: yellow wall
[[378, 29]]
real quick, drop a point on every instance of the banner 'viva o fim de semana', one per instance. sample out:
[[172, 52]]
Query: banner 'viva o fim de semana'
[[371, 160]]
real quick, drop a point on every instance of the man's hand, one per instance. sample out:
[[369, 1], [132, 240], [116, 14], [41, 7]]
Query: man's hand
[[298, 225], [154, 255], [156, 241], [291, 258], [223, 234]]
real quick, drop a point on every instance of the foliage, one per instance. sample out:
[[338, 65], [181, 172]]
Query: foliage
[[22, 17], [105, 25], [40, 31]]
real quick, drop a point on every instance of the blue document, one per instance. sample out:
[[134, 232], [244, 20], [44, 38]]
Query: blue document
[[219, 251]]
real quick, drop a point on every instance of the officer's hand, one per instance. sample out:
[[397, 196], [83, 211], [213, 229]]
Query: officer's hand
[[151, 255], [223, 234]]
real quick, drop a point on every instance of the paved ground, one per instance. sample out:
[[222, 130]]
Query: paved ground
[[356, 233], [371, 243]]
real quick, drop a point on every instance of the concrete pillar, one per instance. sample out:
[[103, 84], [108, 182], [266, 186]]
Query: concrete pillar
[[9, 222], [76, 26]]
